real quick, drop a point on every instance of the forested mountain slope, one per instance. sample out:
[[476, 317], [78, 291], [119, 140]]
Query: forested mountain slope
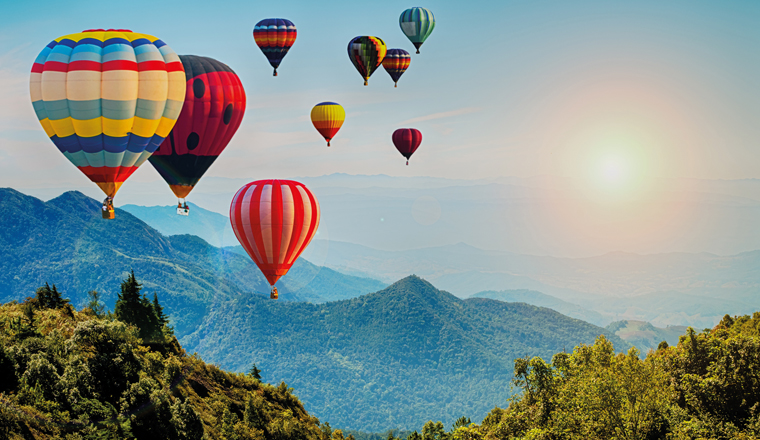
[[390, 359], [66, 242], [71, 375]]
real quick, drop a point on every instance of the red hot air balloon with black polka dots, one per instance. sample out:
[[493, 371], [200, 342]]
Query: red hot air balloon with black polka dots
[[211, 114]]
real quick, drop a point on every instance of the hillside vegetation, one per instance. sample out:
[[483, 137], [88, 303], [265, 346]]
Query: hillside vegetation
[[70, 374], [706, 387], [390, 359]]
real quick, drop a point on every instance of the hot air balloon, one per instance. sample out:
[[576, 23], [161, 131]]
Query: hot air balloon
[[366, 53], [417, 24], [274, 220], [212, 112], [107, 99], [275, 36], [407, 140], [327, 118], [396, 62]]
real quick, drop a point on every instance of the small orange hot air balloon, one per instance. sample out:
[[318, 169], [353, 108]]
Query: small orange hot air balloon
[[327, 118]]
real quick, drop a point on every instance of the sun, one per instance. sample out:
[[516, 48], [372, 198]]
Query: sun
[[613, 171]]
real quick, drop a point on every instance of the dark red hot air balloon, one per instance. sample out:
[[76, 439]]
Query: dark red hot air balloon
[[407, 140], [211, 114]]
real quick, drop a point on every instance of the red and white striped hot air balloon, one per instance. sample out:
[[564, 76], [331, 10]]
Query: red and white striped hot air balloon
[[274, 220]]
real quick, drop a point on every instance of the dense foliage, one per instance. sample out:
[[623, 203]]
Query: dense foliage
[[390, 359], [70, 374], [705, 387]]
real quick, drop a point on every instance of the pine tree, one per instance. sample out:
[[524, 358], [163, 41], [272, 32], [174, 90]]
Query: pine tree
[[134, 308], [159, 310], [255, 372]]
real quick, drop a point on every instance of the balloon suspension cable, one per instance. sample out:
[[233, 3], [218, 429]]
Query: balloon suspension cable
[[179, 202]]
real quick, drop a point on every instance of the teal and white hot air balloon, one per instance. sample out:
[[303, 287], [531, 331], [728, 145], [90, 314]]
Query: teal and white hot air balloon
[[417, 24]]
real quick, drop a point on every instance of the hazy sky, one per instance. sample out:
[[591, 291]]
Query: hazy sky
[[610, 93]]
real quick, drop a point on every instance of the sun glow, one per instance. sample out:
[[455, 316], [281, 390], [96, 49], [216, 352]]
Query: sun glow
[[613, 171]]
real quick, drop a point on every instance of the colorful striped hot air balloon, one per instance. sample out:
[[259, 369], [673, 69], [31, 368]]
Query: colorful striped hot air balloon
[[275, 36], [407, 140], [274, 220], [212, 112], [327, 118], [396, 62], [366, 53], [417, 24], [107, 99]]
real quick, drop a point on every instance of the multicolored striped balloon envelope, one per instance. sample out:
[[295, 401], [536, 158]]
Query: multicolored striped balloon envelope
[[213, 109], [396, 62], [107, 99], [327, 118], [407, 140], [274, 220], [366, 53], [275, 37], [417, 24]]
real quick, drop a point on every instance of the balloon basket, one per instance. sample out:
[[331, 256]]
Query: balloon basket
[[107, 210]]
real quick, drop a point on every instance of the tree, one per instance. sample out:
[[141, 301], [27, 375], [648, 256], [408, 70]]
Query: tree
[[134, 308], [255, 372], [95, 305], [162, 318]]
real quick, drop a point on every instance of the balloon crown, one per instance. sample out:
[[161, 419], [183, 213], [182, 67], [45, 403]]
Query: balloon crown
[[107, 30]]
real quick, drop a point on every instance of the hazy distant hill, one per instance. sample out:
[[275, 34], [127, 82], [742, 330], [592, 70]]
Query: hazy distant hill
[[539, 299], [213, 227], [644, 335], [64, 241], [392, 358]]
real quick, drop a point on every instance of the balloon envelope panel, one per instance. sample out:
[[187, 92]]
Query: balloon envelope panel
[[274, 220], [107, 99], [211, 114]]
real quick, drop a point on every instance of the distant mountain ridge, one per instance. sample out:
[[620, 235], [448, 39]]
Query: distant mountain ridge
[[392, 358], [64, 241], [542, 300]]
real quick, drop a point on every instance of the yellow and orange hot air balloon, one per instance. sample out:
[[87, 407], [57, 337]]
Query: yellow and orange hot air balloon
[[327, 118]]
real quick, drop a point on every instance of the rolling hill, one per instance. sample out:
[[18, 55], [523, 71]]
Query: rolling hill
[[389, 359], [64, 241]]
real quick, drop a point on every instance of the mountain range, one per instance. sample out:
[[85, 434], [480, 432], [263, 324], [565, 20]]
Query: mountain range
[[354, 358], [665, 289], [65, 242], [392, 358]]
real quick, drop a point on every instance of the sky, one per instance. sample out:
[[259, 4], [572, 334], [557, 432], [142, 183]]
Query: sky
[[619, 96]]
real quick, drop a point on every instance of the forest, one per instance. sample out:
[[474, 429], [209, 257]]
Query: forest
[[93, 373]]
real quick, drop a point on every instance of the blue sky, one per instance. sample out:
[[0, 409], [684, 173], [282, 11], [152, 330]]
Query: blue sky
[[501, 88]]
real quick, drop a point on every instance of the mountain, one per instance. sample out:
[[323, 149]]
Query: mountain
[[212, 227], [64, 241], [541, 300], [389, 359], [644, 335], [664, 289]]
